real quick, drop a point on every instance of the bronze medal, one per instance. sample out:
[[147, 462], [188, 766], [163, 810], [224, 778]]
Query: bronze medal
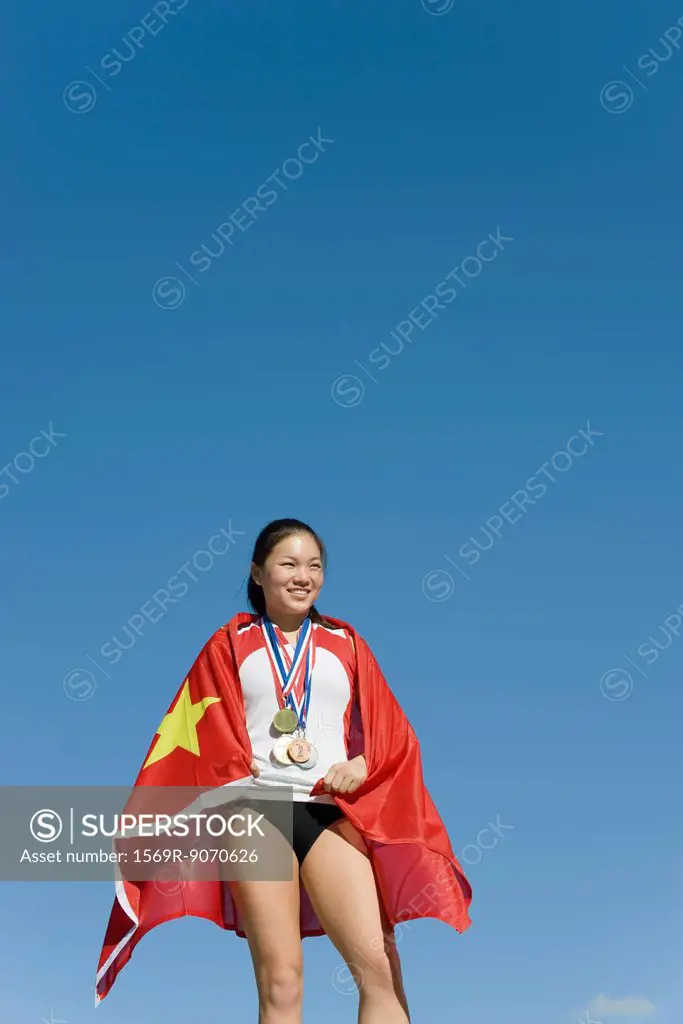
[[299, 750]]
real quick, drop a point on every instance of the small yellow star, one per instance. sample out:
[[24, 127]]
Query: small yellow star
[[179, 727]]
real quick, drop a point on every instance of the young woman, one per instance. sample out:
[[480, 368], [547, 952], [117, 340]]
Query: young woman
[[288, 698]]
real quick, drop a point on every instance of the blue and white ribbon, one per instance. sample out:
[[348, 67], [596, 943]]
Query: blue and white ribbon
[[285, 678]]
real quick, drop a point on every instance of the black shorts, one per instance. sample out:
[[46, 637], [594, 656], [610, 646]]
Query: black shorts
[[310, 820]]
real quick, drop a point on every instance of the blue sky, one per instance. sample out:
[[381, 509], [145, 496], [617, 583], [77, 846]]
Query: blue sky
[[250, 391]]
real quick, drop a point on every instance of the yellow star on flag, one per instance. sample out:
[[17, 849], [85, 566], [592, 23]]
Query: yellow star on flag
[[179, 727]]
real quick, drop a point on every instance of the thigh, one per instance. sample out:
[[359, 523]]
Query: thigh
[[340, 882], [270, 914]]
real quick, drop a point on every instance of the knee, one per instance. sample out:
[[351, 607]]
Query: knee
[[282, 987], [376, 973]]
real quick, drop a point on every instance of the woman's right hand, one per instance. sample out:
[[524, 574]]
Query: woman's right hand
[[254, 769]]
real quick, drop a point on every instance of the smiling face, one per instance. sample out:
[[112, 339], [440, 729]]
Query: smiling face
[[292, 576]]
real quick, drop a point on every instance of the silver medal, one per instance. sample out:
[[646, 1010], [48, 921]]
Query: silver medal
[[312, 760], [280, 750]]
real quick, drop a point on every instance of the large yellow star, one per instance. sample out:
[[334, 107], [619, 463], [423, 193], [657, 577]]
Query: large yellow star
[[179, 727]]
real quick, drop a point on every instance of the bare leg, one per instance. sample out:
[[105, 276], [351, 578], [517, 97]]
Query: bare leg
[[270, 911], [340, 881]]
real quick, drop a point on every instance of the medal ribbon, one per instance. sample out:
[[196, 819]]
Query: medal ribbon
[[288, 673]]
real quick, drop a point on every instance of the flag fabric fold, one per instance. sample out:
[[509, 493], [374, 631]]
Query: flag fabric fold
[[203, 742]]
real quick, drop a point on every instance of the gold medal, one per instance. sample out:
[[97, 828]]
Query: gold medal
[[299, 750], [285, 720]]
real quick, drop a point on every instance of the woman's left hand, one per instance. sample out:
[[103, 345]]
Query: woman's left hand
[[346, 776]]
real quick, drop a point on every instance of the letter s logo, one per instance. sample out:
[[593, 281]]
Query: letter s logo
[[45, 825]]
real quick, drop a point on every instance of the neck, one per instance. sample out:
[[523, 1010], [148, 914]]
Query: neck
[[289, 622]]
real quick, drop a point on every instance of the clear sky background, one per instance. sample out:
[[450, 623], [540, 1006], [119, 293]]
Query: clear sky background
[[238, 404]]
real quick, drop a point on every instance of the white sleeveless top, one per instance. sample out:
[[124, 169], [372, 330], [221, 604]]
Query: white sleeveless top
[[330, 704]]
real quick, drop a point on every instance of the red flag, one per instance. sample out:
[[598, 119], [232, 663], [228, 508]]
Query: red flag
[[203, 741]]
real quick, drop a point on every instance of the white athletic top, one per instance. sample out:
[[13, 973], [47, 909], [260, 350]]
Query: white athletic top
[[329, 712]]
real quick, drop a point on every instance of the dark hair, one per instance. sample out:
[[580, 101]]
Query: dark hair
[[267, 539]]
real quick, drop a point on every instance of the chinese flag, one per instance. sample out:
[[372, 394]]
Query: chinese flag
[[203, 742]]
